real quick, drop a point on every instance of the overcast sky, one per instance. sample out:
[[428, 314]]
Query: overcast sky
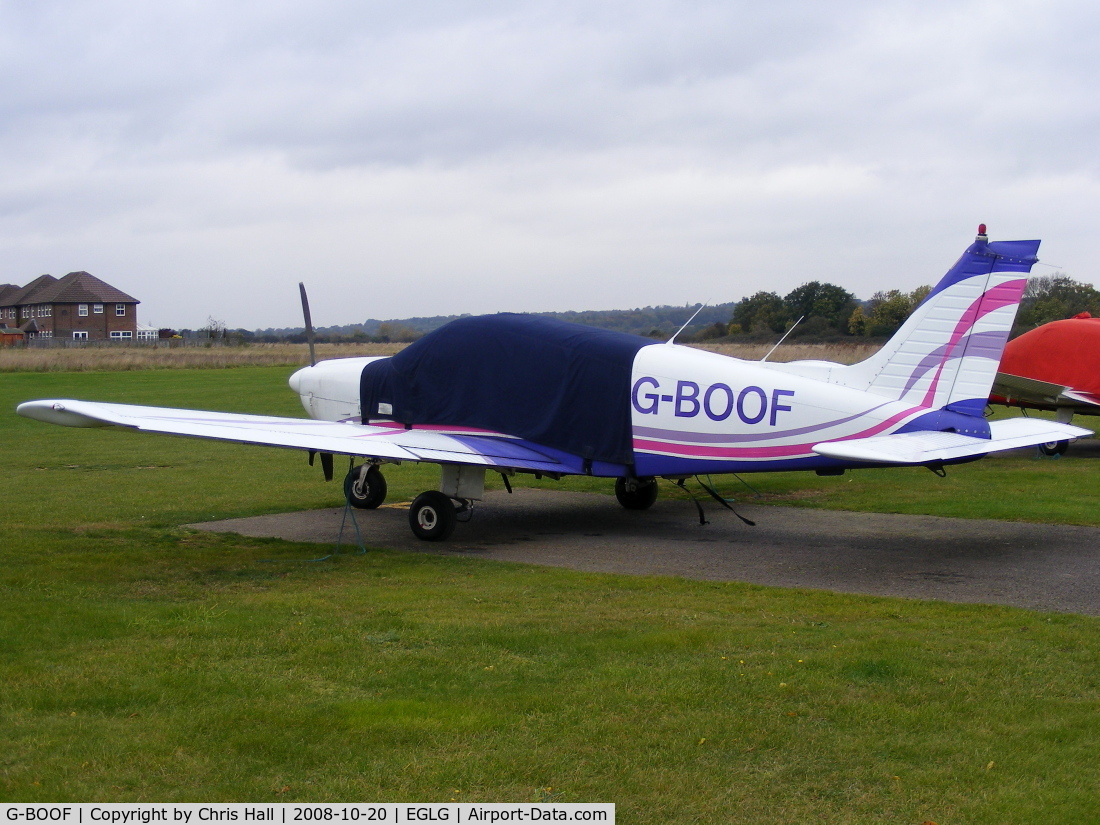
[[428, 158]]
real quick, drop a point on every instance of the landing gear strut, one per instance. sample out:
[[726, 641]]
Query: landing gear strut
[[1053, 448], [432, 516], [636, 493]]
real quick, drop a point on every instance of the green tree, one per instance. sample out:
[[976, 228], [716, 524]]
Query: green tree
[[887, 311], [1052, 298], [762, 312], [715, 330], [825, 307], [857, 322]]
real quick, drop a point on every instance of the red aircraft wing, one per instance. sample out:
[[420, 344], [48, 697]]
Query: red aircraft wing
[[1053, 366]]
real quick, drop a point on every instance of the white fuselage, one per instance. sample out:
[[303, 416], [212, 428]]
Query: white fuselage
[[329, 390], [688, 405]]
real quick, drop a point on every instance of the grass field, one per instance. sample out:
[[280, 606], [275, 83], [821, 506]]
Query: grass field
[[117, 358], [123, 358], [141, 661]]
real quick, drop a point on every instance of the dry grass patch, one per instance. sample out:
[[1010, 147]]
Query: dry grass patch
[[841, 353], [122, 357], [119, 358]]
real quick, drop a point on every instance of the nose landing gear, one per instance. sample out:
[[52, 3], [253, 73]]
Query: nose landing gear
[[365, 486]]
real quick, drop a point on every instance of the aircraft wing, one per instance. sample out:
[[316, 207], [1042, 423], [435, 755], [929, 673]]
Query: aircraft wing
[[1042, 393], [299, 433], [932, 447]]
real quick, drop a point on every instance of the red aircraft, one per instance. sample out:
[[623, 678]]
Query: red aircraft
[[1053, 367]]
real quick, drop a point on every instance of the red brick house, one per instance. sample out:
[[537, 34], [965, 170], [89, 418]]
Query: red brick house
[[76, 307]]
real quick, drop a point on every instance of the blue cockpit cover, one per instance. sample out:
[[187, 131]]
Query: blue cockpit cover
[[562, 385]]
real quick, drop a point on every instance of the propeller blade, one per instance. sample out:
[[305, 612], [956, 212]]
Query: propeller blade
[[309, 324]]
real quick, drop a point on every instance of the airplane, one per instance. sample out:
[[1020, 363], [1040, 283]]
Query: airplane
[[524, 394], [1053, 367]]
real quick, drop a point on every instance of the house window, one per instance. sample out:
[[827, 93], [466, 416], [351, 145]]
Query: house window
[[46, 333], [82, 310], [49, 310], [120, 309], [80, 335], [97, 309], [122, 334]]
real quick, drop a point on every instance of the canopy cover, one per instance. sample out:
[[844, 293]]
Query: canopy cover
[[562, 385]]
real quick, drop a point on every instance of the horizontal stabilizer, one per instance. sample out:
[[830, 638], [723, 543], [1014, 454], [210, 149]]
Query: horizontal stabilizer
[[1016, 388], [932, 447], [341, 438]]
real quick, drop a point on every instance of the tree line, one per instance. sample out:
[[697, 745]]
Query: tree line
[[828, 313]]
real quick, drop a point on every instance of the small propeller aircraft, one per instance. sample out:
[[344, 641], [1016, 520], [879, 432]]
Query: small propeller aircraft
[[1053, 367], [523, 394]]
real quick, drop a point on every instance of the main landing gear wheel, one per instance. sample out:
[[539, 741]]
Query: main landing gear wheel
[[365, 487], [432, 516], [636, 493], [1054, 447]]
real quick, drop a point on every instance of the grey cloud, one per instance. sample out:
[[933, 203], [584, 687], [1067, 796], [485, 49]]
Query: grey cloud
[[602, 146]]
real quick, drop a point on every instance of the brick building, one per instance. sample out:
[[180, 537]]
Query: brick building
[[76, 307]]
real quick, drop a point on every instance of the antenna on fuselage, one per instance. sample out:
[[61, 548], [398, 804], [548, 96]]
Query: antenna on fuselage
[[672, 340], [309, 324], [781, 340]]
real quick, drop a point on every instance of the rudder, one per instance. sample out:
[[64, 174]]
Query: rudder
[[947, 353]]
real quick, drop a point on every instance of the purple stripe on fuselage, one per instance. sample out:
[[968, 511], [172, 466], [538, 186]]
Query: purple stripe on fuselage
[[642, 446], [729, 438]]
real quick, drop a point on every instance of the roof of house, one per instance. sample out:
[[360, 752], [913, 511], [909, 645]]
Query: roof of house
[[82, 287], [29, 293], [6, 290]]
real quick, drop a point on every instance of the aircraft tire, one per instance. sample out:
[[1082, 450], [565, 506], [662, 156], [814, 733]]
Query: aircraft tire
[[641, 497], [369, 492], [1053, 448], [432, 516]]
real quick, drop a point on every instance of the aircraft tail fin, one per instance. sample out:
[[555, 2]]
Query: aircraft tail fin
[[946, 354]]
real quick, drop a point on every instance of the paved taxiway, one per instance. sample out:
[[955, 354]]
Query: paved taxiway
[[1040, 566]]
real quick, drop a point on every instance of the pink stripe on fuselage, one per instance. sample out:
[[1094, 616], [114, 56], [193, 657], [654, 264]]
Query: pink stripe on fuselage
[[781, 451]]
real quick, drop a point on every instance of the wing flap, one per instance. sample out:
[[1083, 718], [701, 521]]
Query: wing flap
[[296, 433], [932, 447], [1019, 388]]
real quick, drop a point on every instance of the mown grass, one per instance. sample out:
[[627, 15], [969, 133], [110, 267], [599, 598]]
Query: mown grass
[[141, 661]]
